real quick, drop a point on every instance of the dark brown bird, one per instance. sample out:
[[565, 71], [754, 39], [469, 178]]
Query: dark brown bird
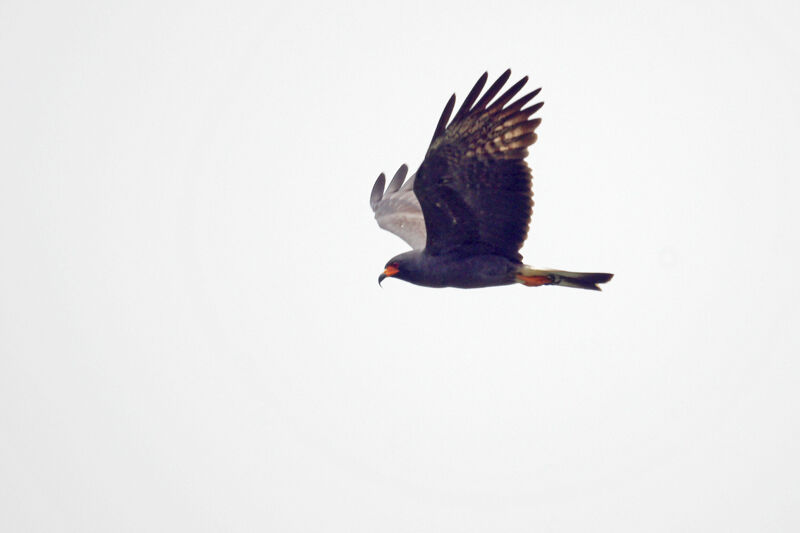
[[467, 210]]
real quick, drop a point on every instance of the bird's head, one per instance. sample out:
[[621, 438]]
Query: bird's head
[[392, 269], [402, 266]]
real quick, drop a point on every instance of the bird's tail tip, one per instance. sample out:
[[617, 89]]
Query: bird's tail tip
[[531, 277]]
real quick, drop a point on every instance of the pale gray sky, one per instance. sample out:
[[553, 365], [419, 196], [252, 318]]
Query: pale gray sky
[[192, 337]]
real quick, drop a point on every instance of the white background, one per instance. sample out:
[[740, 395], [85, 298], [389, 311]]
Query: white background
[[191, 333]]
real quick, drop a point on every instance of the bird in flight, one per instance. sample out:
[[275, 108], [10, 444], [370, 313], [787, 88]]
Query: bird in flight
[[467, 209]]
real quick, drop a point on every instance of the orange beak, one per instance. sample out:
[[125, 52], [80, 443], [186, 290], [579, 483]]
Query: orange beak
[[388, 272]]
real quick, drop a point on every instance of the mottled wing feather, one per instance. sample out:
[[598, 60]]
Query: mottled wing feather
[[397, 209], [474, 186]]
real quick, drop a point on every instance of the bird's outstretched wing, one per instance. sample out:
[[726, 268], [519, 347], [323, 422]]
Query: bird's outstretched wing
[[474, 186], [397, 209]]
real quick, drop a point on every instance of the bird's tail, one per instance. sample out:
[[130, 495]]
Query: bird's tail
[[531, 277]]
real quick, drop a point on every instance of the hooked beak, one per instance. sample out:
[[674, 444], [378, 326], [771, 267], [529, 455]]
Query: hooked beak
[[388, 272]]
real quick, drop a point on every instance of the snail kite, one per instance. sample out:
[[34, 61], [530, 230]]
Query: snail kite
[[466, 210]]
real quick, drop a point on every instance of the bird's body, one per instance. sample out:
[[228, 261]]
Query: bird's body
[[460, 268], [467, 210]]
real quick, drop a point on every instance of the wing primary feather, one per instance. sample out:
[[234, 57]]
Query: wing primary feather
[[509, 94], [470, 99], [494, 89], [522, 100], [398, 179], [517, 153], [533, 109], [377, 191], [448, 109], [523, 141], [515, 121]]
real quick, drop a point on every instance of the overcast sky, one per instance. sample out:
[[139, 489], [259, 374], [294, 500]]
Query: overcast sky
[[192, 337]]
